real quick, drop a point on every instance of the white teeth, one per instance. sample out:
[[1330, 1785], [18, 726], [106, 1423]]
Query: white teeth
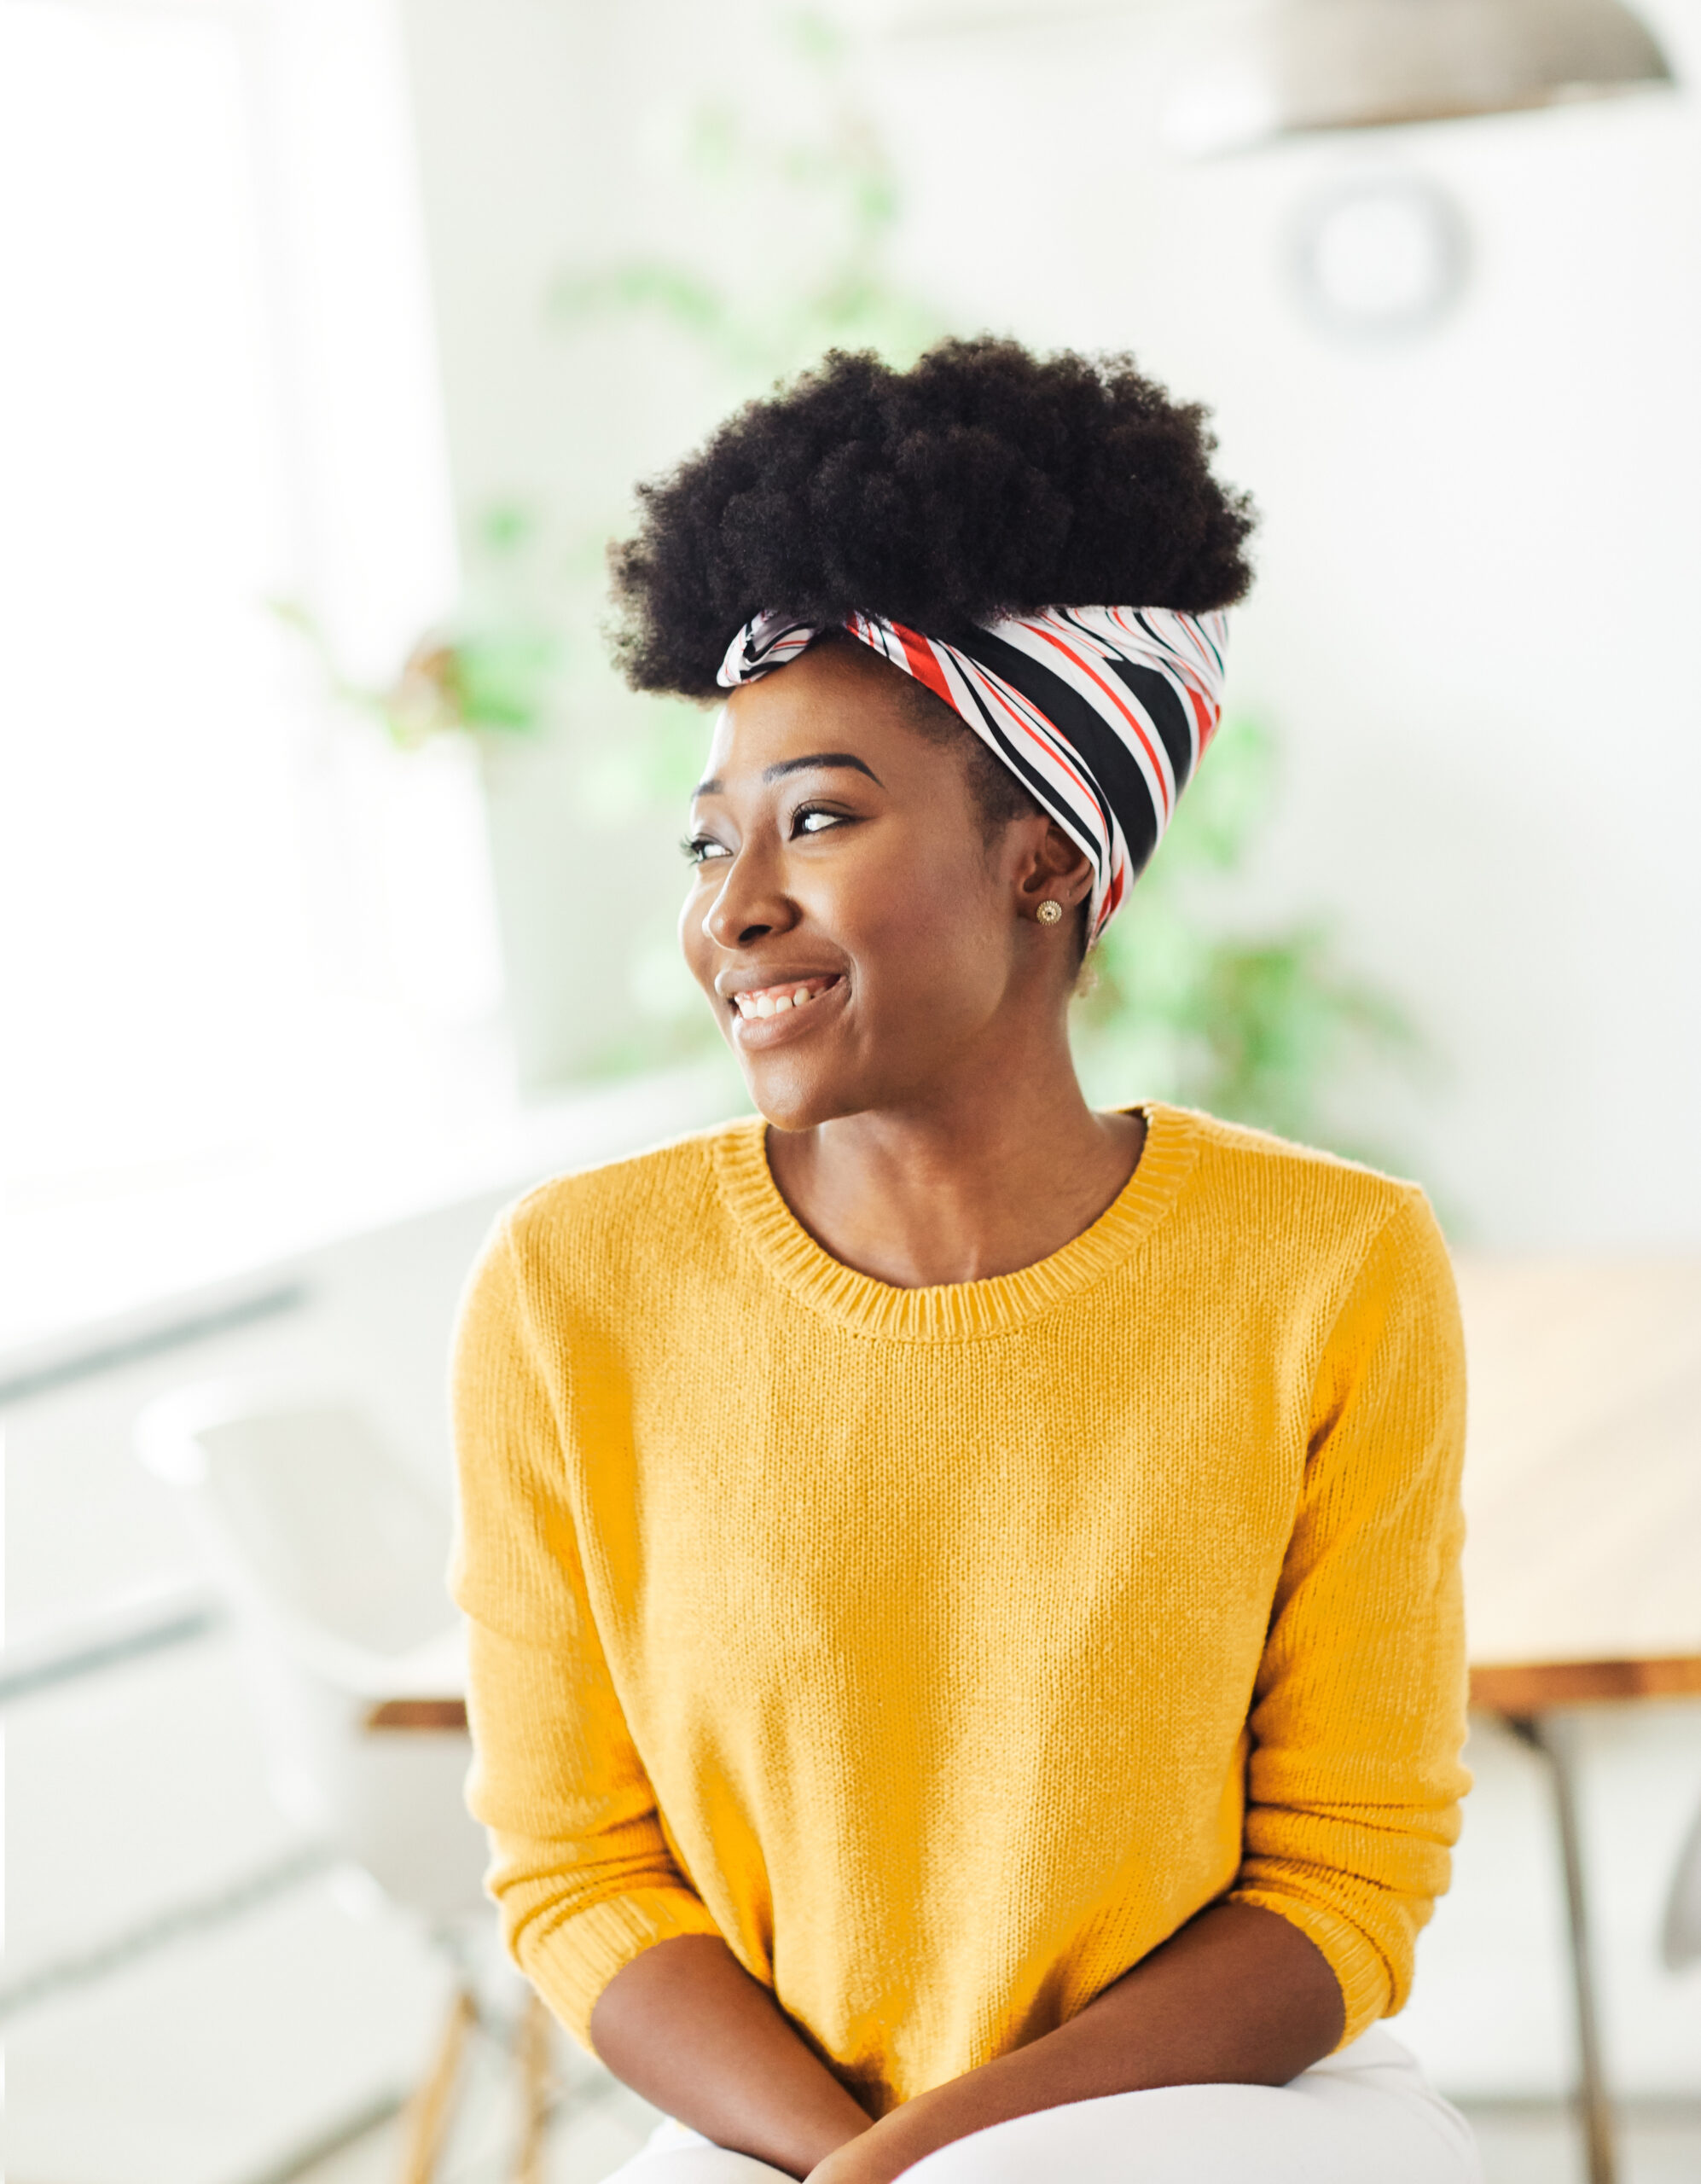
[[775, 1002]]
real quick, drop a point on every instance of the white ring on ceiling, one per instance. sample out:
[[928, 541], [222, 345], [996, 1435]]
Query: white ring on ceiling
[[1379, 257]]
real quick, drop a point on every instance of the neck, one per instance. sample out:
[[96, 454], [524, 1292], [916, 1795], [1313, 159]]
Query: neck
[[982, 1175]]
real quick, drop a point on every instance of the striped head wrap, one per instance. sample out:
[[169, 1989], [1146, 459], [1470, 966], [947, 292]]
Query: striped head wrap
[[1101, 713]]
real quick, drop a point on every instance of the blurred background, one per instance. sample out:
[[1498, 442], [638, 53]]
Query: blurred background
[[340, 877]]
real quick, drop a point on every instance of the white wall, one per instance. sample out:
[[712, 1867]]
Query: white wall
[[532, 116], [1475, 622]]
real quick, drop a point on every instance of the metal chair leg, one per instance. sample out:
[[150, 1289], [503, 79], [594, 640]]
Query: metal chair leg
[[1594, 2108], [428, 2111], [532, 2051]]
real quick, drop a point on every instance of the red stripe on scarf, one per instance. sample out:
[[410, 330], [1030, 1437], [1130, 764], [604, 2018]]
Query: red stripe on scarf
[[1069, 652]]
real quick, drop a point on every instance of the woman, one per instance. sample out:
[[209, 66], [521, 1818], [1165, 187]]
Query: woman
[[966, 1654]]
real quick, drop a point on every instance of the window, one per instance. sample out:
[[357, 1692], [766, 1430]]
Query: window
[[219, 391]]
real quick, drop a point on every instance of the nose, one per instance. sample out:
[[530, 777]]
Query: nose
[[748, 904]]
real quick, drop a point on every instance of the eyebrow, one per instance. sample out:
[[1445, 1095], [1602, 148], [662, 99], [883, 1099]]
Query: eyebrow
[[714, 785]]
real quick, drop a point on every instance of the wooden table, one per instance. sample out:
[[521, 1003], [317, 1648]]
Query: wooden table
[[1582, 1495]]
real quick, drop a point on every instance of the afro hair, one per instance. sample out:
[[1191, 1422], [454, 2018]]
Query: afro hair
[[983, 481]]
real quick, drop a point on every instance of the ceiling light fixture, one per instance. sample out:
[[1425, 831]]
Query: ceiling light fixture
[[1301, 66]]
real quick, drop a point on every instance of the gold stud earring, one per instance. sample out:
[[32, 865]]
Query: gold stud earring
[[1048, 912]]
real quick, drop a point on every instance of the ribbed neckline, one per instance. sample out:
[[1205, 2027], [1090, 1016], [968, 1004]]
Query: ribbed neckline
[[960, 1310]]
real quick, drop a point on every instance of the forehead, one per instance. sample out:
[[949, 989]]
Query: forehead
[[834, 697]]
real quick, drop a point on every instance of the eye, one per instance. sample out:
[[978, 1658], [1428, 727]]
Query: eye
[[698, 849], [815, 819]]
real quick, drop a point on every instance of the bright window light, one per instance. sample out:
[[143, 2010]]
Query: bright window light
[[206, 407], [150, 896]]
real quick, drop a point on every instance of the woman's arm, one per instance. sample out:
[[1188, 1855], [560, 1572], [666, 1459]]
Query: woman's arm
[[1353, 1778], [1239, 1996], [685, 2025], [581, 1869]]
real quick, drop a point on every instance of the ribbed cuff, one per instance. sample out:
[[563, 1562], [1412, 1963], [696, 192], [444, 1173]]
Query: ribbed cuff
[[570, 1964], [1357, 1964]]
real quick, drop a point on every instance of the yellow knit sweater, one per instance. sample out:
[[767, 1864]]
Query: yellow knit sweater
[[946, 1649]]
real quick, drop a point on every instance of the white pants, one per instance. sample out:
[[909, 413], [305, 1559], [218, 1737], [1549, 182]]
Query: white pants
[[1365, 2116]]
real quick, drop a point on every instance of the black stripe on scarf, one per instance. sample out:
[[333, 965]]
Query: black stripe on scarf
[[1112, 766], [992, 731], [1158, 697]]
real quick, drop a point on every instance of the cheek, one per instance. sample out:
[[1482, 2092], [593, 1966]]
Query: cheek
[[925, 913]]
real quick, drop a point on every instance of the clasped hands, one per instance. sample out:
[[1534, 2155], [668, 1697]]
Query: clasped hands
[[886, 2149], [1238, 1995], [857, 2161]]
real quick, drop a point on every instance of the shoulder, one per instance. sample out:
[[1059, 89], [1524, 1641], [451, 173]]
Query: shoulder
[[1346, 1264], [1267, 1172], [658, 1192], [597, 1223], [1298, 1206]]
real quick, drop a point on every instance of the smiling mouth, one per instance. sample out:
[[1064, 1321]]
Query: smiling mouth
[[781, 1000]]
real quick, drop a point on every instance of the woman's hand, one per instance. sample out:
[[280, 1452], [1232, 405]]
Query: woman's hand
[[873, 2157]]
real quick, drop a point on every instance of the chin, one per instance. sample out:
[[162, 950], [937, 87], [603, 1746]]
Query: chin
[[789, 1101], [793, 1095]]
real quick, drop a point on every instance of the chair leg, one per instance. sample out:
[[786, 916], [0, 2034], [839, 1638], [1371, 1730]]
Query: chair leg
[[428, 2111], [532, 2051]]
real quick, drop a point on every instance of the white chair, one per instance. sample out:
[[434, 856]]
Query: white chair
[[332, 1556]]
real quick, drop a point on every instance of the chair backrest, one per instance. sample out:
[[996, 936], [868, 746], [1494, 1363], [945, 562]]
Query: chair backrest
[[310, 1517], [335, 1556]]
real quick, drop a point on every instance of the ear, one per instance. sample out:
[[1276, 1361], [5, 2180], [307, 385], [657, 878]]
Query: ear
[[1058, 871]]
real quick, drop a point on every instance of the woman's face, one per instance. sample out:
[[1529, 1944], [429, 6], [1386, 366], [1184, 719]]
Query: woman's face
[[859, 939]]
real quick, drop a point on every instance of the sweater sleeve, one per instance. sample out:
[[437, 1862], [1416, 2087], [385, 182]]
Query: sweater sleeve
[[581, 1870], [1358, 1714]]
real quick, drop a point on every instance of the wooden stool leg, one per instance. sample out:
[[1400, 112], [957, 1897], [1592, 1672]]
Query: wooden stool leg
[[532, 2051], [428, 2111]]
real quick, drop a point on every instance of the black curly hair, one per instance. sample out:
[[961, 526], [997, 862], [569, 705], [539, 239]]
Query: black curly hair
[[983, 481]]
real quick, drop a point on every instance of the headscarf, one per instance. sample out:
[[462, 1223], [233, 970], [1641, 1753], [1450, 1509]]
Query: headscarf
[[1101, 713]]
